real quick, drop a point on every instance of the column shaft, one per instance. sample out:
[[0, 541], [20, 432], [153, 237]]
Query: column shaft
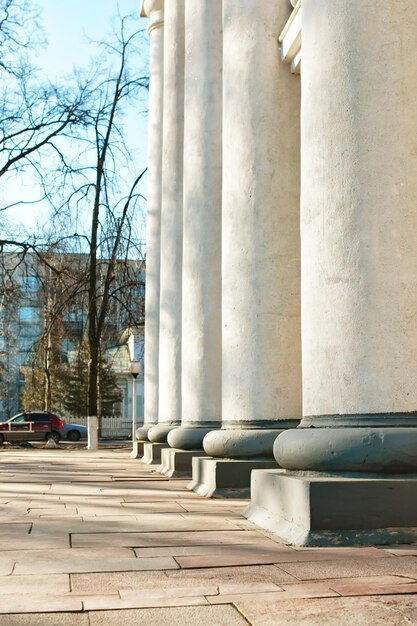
[[154, 10], [201, 283], [261, 362], [359, 229], [171, 224]]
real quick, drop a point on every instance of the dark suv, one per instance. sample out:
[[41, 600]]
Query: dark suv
[[39, 426]]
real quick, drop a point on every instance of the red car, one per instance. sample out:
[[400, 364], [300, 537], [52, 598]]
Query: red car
[[39, 426]]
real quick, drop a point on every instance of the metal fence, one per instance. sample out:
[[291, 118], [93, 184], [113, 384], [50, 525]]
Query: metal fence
[[111, 426]]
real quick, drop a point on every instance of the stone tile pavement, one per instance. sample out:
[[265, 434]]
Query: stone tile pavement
[[99, 539]]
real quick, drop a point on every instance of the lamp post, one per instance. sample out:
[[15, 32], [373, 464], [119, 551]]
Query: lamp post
[[135, 369]]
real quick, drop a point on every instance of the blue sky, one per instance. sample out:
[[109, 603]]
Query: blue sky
[[69, 25]]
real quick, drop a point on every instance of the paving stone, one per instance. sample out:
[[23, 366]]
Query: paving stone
[[53, 513], [184, 616], [72, 554], [33, 542], [15, 529], [247, 555], [129, 508], [376, 588], [140, 523], [42, 619], [110, 582], [211, 551], [38, 603], [261, 546], [245, 576], [385, 611], [134, 495], [222, 503], [317, 590], [11, 488], [149, 599], [152, 539], [344, 568], [75, 565], [252, 587], [172, 592], [344, 552], [57, 583]]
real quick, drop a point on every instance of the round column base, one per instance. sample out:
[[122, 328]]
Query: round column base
[[325, 444], [190, 437], [142, 432], [245, 441], [159, 432]]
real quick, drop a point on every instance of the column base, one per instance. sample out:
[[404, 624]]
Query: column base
[[178, 462], [245, 440], [152, 453], [190, 436], [142, 432], [224, 477], [137, 450], [311, 509], [159, 432]]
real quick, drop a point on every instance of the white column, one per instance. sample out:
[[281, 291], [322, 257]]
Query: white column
[[261, 364], [171, 225], [154, 10], [201, 313], [359, 233]]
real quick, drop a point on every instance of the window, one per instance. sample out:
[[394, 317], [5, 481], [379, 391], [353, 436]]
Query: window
[[30, 283], [20, 418], [39, 418], [28, 314]]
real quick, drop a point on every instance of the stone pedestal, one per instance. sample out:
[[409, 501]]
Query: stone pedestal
[[359, 285], [225, 477], [312, 509], [137, 450], [170, 310], [178, 462], [261, 343], [154, 10], [152, 453]]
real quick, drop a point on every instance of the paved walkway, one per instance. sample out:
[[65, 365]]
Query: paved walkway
[[98, 539]]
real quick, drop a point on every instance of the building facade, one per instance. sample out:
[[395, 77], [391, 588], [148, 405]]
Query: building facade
[[30, 305], [282, 153]]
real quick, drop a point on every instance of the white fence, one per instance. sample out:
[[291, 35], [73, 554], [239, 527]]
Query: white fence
[[112, 426]]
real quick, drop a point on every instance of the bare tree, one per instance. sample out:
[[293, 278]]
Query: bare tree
[[105, 186], [74, 141]]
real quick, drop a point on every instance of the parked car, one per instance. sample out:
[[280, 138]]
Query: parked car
[[39, 426]]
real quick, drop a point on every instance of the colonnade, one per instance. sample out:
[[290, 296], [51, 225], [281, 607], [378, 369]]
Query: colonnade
[[286, 284]]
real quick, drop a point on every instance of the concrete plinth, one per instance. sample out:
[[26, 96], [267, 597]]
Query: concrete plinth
[[228, 477], [178, 462], [152, 453], [137, 450], [312, 509]]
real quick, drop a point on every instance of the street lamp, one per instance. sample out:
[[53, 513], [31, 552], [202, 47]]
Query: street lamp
[[135, 369]]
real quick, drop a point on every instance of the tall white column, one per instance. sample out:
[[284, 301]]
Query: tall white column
[[359, 233], [201, 282], [261, 363], [154, 10], [171, 225]]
